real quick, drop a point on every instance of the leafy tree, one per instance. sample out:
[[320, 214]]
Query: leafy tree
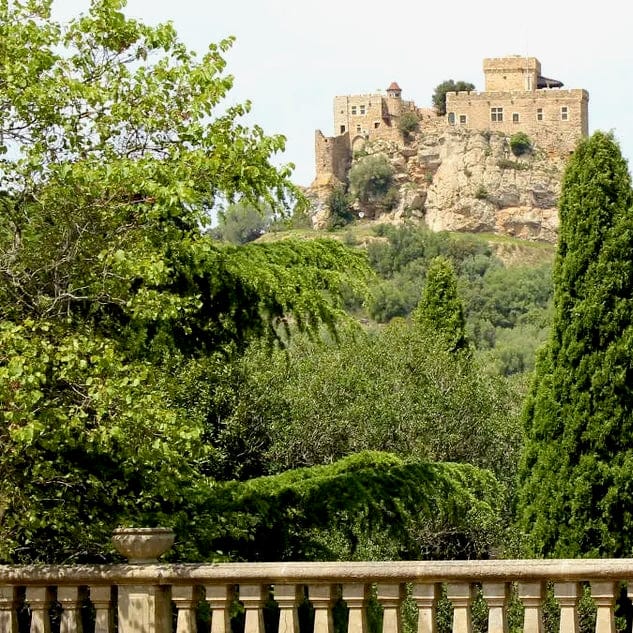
[[439, 96], [371, 179], [338, 203], [440, 308], [242, 222], [398, 390], [116, 148], [408, 123], [576, 471]]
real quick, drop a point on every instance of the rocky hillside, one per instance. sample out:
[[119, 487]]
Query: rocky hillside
[[461, 180]]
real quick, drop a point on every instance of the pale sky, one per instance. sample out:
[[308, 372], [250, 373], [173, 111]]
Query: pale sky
[[292, 57]]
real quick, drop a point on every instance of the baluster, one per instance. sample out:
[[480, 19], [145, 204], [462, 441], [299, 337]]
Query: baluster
[[40, 600], [70, 600], [531, 595], [220, 598], [390, 597], [567, 594], [355, 595], [604, 595], [461, 596], [186, 598], [8, 609], [496, 597], [321, 599], [288, 598], [254, 598], [101, 598], [426, 596]]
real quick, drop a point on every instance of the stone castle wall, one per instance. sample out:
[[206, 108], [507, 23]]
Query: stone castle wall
[[511, 73], [556, 119], [333, 155], [369, 117], [553, 118]]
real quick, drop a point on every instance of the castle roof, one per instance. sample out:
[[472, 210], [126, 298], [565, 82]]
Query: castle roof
[[545, 82], [394, 86]]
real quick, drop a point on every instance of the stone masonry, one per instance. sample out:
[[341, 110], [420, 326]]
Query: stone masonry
[[516, 98]]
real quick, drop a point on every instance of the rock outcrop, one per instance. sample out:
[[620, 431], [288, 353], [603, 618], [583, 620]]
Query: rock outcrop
[[464, 180]]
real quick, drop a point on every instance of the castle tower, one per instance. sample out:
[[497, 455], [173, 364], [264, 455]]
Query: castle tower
[[394, 100], [512, 74], [394, 91]]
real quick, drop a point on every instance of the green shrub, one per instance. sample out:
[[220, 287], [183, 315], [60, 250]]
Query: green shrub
[[409, 122], [243, 222], [520, 143], [507, 163], [392, 508], [371, 178], [481, 193], [340, 210]]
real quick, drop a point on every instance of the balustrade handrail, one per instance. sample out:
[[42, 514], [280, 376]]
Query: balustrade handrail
[[557, 570], [145, 596]]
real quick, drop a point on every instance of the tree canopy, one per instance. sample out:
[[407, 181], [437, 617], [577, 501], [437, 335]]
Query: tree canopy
[[576, 471], [440, 309], [450, 85], [116, 147]]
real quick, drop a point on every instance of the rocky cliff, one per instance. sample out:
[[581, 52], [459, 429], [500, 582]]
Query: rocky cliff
[[461, 180]]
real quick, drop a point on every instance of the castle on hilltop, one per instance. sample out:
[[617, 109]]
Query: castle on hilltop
[[516, 98]]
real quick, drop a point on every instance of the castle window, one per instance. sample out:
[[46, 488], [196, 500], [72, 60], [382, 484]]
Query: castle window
[[539, 114], [376, 125], [358, 129], [462, 119], [362, 109], [451, 118], [342, 129], [353, 109], [515, 117], [496, 114], [564, 113]]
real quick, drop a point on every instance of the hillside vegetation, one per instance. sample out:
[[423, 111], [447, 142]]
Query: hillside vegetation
[[293, 396], [505, 283]]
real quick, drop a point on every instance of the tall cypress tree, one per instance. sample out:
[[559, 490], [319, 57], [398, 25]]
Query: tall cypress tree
[[576, 484], [440, 309]]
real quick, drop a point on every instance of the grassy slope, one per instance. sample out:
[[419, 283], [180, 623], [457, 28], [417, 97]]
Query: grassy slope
[[512, 251]]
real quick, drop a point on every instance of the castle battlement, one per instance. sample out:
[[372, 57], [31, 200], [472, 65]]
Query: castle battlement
[[536, 94], [516, 98]]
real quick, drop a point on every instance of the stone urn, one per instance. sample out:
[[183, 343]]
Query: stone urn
[[142, 545]]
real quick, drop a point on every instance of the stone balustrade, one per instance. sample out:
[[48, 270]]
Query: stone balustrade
[[163, 598]]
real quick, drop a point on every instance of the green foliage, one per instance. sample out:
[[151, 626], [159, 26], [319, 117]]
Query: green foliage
[[117, 146], [520, 143], [481, 193], [338, 203], [371, 179], [509, 296], [507, 163], [242, 222], [397, 390], [575, 474], [507, 307], [439, 95], [408, 123], [440, 309], [89, 441], [369, 505]]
